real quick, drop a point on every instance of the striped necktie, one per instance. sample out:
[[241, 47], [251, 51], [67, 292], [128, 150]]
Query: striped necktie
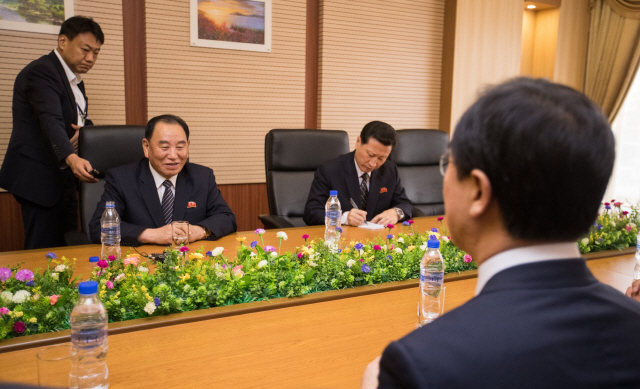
[[364, 191], [167, 202]]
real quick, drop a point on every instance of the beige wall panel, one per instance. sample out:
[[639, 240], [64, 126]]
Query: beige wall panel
[[229, 98], [571, 52], [488, 48], [528, 35], [546, 37], [379, 60], [104, 83]]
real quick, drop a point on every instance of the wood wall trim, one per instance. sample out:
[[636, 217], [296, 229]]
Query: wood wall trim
[[311, 64], [135, 61], [11, 225], [448, 49]]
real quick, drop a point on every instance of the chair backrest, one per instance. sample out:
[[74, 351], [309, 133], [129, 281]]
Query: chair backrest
[[417, 155], [105, 147], [291, 159]]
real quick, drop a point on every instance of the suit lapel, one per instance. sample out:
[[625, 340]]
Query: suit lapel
[[65, 82], [374, 192], [352, 181], [150, 193], [184, 186]]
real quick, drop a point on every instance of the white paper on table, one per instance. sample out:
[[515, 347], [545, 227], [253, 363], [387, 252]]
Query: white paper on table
[[370, 226]]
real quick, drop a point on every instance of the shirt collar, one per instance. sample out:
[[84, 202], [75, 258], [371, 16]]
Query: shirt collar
[[159, 179], [523, 255], [77, 78], [358, 170]]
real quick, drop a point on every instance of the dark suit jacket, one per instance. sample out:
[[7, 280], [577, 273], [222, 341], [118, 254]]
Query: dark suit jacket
[[542, 325], [136, 198], [385, 189], [43, 110]]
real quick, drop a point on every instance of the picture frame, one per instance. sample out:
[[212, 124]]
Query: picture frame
[[18, 15], [231, 24]]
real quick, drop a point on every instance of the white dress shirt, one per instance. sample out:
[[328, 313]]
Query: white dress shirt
[[523, 255], [159, 180], [74, 80], [359, 171]]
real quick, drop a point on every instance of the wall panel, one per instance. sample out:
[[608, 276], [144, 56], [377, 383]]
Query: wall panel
[[380, 60], [229, 98]]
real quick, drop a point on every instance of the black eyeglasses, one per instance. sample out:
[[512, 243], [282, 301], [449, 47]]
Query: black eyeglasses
[[444, 162]]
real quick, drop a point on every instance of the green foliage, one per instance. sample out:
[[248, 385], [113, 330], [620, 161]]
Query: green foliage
[[614, 229]]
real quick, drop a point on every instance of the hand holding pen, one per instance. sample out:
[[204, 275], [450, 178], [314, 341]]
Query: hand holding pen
[[356, 216]]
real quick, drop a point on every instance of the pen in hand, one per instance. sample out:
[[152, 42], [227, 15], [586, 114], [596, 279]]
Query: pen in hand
[[353, 204]]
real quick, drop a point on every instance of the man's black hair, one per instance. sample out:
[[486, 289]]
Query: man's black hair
[[79, 24], [548, 151], [380, 131], [169, 119]]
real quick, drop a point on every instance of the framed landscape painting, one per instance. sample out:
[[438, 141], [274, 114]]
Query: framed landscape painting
[[43, 16], [231, 24]]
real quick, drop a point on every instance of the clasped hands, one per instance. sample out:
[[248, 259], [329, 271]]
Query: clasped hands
[[357, 216], [164, 235]]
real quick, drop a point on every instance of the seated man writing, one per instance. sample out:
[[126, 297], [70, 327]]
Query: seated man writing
[[528, 166], [164, 187], [364, 178]]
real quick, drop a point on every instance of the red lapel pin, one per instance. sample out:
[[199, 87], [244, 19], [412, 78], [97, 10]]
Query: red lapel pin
[[383, 190], [192, 204]]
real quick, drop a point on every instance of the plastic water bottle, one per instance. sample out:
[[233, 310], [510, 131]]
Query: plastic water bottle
[[332, 218], [636, 270], [431, 302], [110, 223], [89, 336]]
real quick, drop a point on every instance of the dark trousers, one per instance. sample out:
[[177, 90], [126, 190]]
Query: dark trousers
[[45, 227]]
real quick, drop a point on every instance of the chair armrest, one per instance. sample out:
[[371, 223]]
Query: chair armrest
[[76, 238]]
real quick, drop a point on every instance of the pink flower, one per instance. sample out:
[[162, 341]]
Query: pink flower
[[467, 258], [4, 311], [410, 234], [24, 275], [109, 284], [361, 260], [132, 261], [53, 299], [391, 247], [377, 247], [237, 271], [628, 228], [389, 225], [300, 255], [305, 236], [184, 249], [103, 264], [410, 221], [440, 218], [111, 258], [618, 204], [19, 327], [625, 213]]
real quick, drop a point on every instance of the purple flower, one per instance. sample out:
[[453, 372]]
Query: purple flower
[[390, 236], [5, 274], [260, 231], [50, 255], [184, 249], [358, 246], [365, 268], [434, 229], [599, 227], [24, 275], [254, 244], [405, 223], [224, 266], [339, 251], [19, 327], [389, 257], [30, 283], [269, 249], [208, 254], [156, 301], [607, 207], [103, 264], [339, 229]]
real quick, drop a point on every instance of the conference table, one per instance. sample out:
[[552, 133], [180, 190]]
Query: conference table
[[320, 340]]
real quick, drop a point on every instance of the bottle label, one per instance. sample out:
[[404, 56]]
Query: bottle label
[[113, 230], [432, 278], [88, 337], [332, 214]]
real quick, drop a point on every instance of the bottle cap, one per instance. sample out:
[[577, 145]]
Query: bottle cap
[[110, 204], [333, 193], [88, 287], [433, 243], [94, 259]]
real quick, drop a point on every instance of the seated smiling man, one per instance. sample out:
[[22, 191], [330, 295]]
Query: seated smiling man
[[164, 187], [528, 166]]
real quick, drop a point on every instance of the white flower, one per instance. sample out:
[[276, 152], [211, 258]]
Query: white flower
[[273, 254], [350, 263], [6, 296], [401, 240], [219, 274], [21, 296], [423, 246], [312, 264], [150, 307], [446, 239], [217, 251], [119, 277], [585, 241], [54, 276], [252, 254], [398, 250], [632, 224], [333, 248], [613, 224], [262, 264], [60, 268], [282, 235], [143, 269], [384, 247]]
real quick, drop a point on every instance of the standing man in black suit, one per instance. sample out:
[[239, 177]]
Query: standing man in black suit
[[49, 107], [364, 177], [528, 166], [164, 187]]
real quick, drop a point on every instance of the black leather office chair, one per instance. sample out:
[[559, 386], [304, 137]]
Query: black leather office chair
[[417, 155], [291, 159], [105, 147]]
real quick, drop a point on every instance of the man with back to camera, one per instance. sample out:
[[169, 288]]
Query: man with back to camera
[[49, 107], [528, 166], [164, 187], [364, 177]]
